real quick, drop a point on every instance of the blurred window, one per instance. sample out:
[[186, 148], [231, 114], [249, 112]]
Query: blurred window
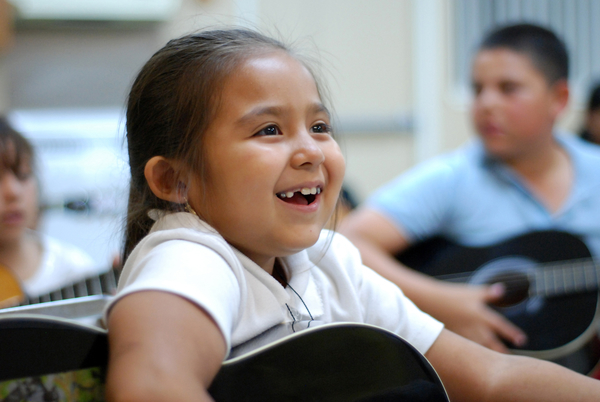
[[577, 22]]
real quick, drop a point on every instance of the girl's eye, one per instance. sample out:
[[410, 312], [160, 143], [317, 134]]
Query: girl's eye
[[270, 130], [322, 128]]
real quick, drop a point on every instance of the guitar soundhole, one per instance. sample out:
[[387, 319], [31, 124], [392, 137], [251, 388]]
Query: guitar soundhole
[[516, 285], [514, 272]]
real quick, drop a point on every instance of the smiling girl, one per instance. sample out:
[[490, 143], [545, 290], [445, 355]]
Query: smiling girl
[[235, 172]]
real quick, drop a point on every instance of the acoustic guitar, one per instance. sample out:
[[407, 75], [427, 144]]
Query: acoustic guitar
[[12, 293], [342, 362], [552, 289], [327, 362]]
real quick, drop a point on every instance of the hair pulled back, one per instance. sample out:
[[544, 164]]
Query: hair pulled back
[[171, 104]]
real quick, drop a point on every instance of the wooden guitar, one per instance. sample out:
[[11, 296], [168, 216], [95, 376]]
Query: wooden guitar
[[328, 362], [12, 294], [552, 289]]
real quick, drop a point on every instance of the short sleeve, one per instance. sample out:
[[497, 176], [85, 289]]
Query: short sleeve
[[418, 201], [386, 306], [190, 270], [62, 265], [379, 301]]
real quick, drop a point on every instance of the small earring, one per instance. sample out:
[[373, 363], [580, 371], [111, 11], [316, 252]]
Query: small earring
[[188, 208]]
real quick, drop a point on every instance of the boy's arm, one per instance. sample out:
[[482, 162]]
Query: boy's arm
[[462, 308], [473, 373], [162, 347]]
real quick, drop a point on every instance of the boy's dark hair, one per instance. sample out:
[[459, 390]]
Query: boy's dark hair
[[172, 102], [546, 51], [14, 148]]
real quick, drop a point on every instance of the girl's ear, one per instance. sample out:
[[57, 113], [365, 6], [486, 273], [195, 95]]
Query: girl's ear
[[163, 180]]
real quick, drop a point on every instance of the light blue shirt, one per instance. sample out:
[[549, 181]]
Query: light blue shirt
[[473, 200]]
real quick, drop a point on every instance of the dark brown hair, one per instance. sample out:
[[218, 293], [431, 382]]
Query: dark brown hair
[[171, 104], [543, 47], [15, 150]]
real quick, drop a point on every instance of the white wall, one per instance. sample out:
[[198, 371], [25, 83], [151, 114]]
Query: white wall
[[368, 51]]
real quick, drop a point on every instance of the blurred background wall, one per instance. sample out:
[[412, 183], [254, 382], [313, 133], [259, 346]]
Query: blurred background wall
[[397, 71]]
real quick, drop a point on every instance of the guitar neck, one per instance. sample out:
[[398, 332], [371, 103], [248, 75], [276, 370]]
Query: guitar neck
[[105, 283], [563, 278]]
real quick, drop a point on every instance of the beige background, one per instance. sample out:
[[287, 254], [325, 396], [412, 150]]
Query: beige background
[[386, 63]]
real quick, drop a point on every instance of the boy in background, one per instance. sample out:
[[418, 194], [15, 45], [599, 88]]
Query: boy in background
[[519, 176]]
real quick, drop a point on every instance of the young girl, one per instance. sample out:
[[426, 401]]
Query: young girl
[[234, 174], [40, 264]]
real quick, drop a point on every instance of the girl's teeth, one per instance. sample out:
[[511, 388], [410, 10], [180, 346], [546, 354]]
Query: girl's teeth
[[303, 191]]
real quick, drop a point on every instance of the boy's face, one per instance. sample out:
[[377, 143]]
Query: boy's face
[[269, 144], [514, 108], [18, 197]]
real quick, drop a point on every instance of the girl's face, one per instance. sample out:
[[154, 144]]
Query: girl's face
[[274, 172], [18, 196]]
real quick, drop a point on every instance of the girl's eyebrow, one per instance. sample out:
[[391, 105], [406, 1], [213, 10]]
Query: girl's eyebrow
[[278, 111], [260, 111], [320, 108]]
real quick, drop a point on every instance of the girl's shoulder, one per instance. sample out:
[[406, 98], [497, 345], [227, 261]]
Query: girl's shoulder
[[183, 226], [334, 250]]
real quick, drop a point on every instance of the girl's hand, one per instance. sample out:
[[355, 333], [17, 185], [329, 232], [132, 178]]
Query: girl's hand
[[465, 310]]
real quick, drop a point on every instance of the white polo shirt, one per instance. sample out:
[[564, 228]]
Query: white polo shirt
[[185, 256]]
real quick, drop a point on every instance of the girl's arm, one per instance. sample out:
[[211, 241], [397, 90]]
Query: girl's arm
[[471, 372], [162, 348]]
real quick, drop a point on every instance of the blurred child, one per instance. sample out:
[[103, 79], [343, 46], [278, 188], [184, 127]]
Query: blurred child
[[235, 172], [39, 263], [519, 176]]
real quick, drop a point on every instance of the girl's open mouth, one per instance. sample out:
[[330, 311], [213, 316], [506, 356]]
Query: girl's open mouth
[[304, 196]]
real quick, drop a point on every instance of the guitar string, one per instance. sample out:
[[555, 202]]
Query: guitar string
[[463, 276], [105, 283], [585, 266]]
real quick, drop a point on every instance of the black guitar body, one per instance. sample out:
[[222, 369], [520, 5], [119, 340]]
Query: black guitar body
[[562, 328], [333, 362]]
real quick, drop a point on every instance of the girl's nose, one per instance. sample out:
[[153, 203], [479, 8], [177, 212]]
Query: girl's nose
[[307, 153]]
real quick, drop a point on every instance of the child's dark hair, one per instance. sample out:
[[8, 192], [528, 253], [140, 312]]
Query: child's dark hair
[[172, 102], [594, 99], [593, 105], [14, 149], [546, 51]]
